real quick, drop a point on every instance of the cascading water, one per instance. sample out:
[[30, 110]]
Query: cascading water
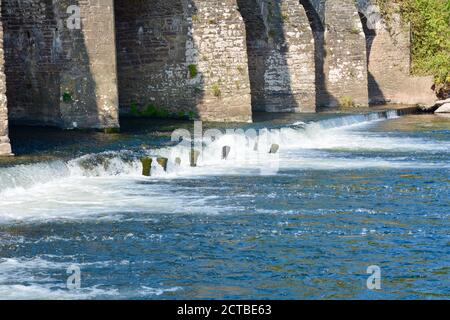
[[326, 134], [223, 223]]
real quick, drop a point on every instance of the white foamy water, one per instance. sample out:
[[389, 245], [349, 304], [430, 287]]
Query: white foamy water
[[98, 184], [29, 278]]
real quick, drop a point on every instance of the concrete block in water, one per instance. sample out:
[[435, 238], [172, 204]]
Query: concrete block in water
[[274, 148], [194, 157], [178, 161], [163, 162], [225, 152], [146, 166], [5, 149], [445, 108]]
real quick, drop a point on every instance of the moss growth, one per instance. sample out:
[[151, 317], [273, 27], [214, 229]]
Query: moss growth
[[134, 109], [346, 102], [272, 33], [354, 31], [216, 90], [153, 111], [111, 130], [192, 115], [67, 97], [192, 70]]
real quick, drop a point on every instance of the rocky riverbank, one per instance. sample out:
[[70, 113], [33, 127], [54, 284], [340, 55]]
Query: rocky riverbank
[[441, 106]]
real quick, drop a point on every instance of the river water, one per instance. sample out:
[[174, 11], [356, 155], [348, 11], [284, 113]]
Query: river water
[[344, 192]]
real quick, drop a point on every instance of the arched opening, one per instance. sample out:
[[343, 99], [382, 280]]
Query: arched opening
[[280, 56], [376, 95], [257, 39], [316, 23]]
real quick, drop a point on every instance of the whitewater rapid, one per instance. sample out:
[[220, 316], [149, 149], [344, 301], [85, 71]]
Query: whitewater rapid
[[95, 184]]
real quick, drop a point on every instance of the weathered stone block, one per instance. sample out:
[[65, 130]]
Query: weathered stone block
[[445, 108]]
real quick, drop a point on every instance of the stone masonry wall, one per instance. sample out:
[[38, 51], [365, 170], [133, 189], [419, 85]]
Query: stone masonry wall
[[151, 51], [5, 146], [219, 47], [213, 58], [183, 56], [281, 55], [345, 60], [341, 62], [388, 53], [56, 75]]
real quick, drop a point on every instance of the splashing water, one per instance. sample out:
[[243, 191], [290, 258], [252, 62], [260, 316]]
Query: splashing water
[[335, 182]]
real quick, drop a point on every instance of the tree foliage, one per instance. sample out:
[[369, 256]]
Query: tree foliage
[[430, 29]]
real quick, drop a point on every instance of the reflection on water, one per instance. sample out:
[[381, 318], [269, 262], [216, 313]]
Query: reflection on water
[[374, 193]]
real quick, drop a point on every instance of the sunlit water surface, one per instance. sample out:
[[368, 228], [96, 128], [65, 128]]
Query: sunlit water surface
[[341, 195]]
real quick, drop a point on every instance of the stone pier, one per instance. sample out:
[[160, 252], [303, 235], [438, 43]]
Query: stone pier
[[181, 57], [5, 146], [60, 63], [388, 45]]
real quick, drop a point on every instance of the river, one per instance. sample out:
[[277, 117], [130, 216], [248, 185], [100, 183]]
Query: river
[[344, 192]]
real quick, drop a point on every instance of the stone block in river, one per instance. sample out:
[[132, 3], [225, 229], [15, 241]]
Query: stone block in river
[[163, 163], [146, 166], [194, 157], [445, 108], [274, 148], [225, 152], [5, 149]]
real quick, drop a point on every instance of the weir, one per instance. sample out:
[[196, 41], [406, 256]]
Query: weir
[[230, 153], [79, 63]]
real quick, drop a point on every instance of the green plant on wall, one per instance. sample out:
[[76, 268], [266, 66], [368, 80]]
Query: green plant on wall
[[192, 115], [193, 70], [216, 90], [134, 109], [153, 111], [346, 102], [430, 30], [67, 97], [272, 33]]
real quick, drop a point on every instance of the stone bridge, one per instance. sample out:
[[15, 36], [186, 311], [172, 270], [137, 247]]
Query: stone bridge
[[81, 63]]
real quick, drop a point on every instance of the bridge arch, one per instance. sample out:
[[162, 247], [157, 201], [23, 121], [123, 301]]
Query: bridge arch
[[341, 61], [280, 47]]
